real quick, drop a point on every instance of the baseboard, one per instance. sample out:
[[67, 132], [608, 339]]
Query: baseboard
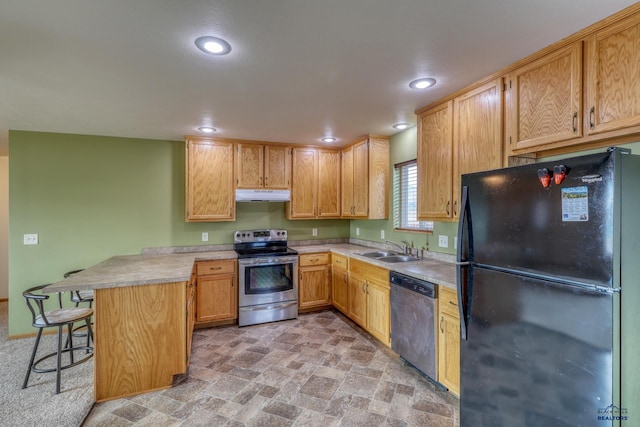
[[50, 331]]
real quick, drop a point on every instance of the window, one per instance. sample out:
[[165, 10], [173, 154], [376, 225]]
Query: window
[[405, 198]]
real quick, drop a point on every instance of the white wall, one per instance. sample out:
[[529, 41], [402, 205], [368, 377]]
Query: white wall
[[4, 227]]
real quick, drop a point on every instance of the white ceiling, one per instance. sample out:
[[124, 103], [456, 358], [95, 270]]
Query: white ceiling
[[299, 69]]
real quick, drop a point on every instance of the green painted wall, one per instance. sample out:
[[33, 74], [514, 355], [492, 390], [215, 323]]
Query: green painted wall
[[404, 148], [90, 197]]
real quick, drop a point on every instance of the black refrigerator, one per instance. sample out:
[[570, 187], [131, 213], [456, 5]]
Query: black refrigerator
[[549, 293]]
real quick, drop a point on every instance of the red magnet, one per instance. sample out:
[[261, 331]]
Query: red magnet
[[559, 173], [544, 175]]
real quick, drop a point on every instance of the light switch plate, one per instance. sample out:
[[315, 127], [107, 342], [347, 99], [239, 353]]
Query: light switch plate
[[357, 231], [30, 239], [443, 241]]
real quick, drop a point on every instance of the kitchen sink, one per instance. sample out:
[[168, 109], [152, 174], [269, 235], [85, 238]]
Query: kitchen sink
[[398, 258], [379, 254]]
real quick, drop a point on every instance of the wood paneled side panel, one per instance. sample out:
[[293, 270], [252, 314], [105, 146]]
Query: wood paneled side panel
[[546, 99], [303, 183], [379, 178], [361, 179], [210, 183], [347, 182], [329, 183], [435, 163], [250, 166], [140, 338], [277, 167], [613, 84], [477, 134]]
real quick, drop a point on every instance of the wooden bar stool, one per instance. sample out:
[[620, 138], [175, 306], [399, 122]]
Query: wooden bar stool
[[58, 318]]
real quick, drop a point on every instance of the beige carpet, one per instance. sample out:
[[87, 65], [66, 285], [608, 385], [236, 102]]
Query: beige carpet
[[38, 405]]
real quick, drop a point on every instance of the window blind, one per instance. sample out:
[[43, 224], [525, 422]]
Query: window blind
[[405, 198]]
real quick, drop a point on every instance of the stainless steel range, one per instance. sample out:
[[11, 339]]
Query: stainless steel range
[[268, 277]]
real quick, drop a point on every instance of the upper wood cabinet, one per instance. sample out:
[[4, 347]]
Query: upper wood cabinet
[[477, 134], [613, 77], [365, 178], [263, 166], [544, 99], [435, 162], [315, 184], [458, 137], [210, 182]]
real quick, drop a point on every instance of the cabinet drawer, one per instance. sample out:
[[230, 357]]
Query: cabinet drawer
[[448, 301], [369, 272], [314, 259], [215, 267], [339, 261]]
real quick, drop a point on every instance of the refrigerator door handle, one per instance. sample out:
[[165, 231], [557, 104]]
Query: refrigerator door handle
[[462, 265]]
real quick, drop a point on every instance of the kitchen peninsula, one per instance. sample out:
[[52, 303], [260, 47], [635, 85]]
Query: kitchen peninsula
[[144, 317]]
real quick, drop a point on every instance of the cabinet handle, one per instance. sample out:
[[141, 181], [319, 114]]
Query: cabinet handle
[[314, 259], [363, 290], [260, 180], [319, 211], [575, 122], [345, 277], [448, 205], [266, 180], [441, 322], [215, 268], [455, 207], [453, 303], [592, 118]]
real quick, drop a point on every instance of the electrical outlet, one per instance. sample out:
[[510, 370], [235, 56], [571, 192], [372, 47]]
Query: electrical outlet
[[443, 241], [205, 237], [455, 242], [382, 234], [314, 231], [30, 239], [357, 231]]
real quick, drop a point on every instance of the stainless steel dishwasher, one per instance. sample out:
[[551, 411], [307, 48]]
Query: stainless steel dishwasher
[[413, 334]]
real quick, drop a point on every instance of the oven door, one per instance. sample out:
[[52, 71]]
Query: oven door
[[267, 280]]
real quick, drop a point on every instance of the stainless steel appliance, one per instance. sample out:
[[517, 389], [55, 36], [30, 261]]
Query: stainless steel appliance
[[267, 278], [549, 293], [413, 334]]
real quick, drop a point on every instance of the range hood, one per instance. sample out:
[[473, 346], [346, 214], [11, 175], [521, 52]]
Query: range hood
[[262, 195]]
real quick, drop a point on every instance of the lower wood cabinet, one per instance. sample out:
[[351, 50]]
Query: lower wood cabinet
[[369, 304], [216, 291], [314, 284], [448, 340], [340, 282]]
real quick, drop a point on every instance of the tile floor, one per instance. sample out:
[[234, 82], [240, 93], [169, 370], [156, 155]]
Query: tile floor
[[317, 370]]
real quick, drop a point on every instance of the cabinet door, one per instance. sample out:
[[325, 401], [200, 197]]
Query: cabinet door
[[449, 352], [545, 100], [250, 166], [340, 289], [347, 182], [477, 134], [361, 179], [328, 184], [378, 178], [435, 163], [210, 185], [357, 300], [303, 183], [314, 287], [613, 77], [277, 167], [216, 298], [379, 312]]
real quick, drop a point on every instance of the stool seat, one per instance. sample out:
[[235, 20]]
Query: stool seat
[[62, 317]]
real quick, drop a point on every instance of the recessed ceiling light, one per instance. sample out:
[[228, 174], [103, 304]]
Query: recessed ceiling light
[[422, 83], [207, 129], [401, 126], [213, 45], [328, 139]]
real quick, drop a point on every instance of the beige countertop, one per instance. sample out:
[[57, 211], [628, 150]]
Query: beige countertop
[[147, 269]]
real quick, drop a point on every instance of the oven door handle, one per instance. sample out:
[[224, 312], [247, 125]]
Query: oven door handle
[[266, 261], [269, 306]]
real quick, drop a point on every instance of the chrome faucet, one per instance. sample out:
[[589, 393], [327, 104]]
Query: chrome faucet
[[402, 247]]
